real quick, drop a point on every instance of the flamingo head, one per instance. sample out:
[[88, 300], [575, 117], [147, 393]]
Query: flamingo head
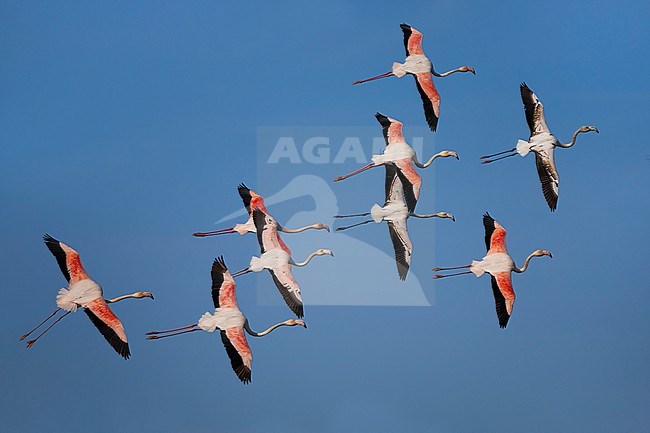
[[324, 252], [539, 253], [467, 69], [295, 322], [139, 295], [446, 215], [448, 153], [321, 226], [589, 128]]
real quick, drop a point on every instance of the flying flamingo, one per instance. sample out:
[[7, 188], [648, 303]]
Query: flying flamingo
[[253, 200], [542, 143], [276, 257], [229, 320], [499, 265], [399, 153], [418, 65], [84, 292], [395, 213]]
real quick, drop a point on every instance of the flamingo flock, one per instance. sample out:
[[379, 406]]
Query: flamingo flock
[[402, 187]]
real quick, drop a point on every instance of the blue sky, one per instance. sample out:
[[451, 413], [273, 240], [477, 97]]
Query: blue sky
[[126, 127]]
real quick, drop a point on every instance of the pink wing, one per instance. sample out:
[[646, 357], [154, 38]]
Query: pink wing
[[495, 235], [241, 357], [109, 325], [289, 288], [430, 98], [411, 182], [412, 40], [223, 286], [504, 296], [67, 258]]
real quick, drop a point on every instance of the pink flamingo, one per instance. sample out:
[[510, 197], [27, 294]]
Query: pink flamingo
[[276, 258], [87, 294], [499, 265], [418, 65], [229, 320], [399, 152], [252, 200]]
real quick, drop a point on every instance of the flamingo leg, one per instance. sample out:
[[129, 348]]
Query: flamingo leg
[[352, 215], [30, 343], [172, 330], [39, 325], [214, 232], [384, 75], [487, 161], [241, 272], [362, 169], [158, 337], [453, 267], [499, 153], [353, 225], [438, 276]]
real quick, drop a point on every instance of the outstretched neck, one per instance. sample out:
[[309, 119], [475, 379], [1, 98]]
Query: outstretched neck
[[525, 266], [573, 140], [298, 230], [263, 333], [428, 163], [444, 74], [307, 260], [135, 295]]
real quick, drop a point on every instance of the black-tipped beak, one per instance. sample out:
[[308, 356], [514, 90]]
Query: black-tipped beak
[[550, 255], [597, 131], [453, 218]]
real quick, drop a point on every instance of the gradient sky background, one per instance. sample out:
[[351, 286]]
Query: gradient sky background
[[125, 127]]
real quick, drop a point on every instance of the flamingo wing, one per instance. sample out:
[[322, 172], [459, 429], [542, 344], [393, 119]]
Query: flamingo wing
[[411, 182], [289, 288], [67, 258], [402, 245], [245, 194], [241, 357], [391, 128], [259, 219], [412, 40], [108, 325], [495, 235], [393, 189], [430, 98], [504, 297], [223, 285], [548, 177], [534, 111]]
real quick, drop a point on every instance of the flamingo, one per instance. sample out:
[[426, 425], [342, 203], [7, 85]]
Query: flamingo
[[399, 153], [84, 292], [276, 257], [253, 200], [499, 265], [542, 143], [395, 213], [229, 320], [418, 65]]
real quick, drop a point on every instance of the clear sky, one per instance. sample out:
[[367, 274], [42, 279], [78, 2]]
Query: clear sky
[[124, 127]]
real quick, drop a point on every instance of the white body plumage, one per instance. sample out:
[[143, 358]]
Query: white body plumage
[[414, 64], [223, 318], [392, 211], [79, 294], [394, 152], [543, 142], [271, 259], [492, 264]]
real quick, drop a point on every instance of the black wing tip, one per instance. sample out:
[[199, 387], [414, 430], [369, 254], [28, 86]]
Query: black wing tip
[[405, 27], [49, 239], [487, 216], [244, 374], [219, 265], [242, 187], [383, 120], [120, 346]]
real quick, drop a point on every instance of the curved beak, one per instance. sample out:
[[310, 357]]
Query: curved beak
[[326, 227], [550, 255], [597, 131]]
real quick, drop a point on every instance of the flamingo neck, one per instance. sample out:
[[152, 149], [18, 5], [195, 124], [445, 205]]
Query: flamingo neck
[[307, 260], [573, 140], [428, 163], [301, 229], [444, 74], [135, 295], [262, 333], [525, 266]]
